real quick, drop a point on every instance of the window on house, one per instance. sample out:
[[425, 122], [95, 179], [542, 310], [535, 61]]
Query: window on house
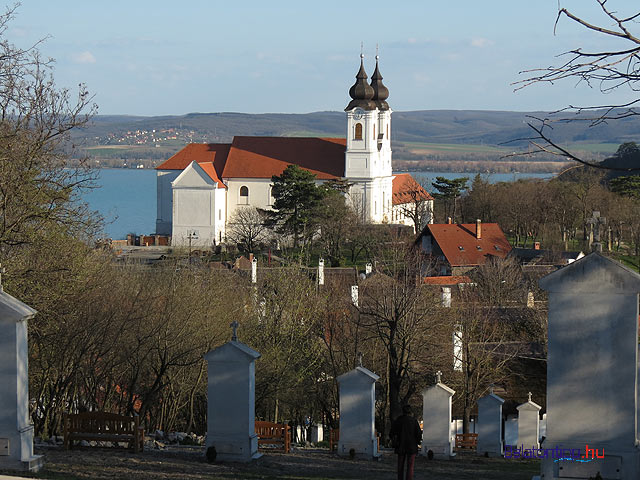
[[358, 132]]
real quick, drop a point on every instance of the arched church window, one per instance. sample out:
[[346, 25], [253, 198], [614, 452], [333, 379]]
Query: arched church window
[[244, 195], [358, 132], [387, 130], [374, 131]]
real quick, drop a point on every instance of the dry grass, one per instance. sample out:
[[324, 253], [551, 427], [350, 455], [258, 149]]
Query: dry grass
[[189, 463]]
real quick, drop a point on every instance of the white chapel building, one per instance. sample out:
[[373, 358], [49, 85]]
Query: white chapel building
[[201, 187]]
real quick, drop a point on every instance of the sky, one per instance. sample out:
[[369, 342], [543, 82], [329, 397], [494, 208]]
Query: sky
[[171, 58]]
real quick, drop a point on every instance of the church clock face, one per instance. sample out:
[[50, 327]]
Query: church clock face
[[358, 114]]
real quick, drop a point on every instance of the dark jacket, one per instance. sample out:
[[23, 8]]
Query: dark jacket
[[405, 434]]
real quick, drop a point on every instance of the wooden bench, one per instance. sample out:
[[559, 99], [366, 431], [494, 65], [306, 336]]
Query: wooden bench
[[273, 437], [334, 438], [103, 427], [466, 441]]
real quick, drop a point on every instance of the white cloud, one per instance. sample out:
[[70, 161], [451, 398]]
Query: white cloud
[[84, 57], [481, 42]]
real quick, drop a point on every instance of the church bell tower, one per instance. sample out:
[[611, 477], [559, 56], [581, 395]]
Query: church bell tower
[[368, 154]]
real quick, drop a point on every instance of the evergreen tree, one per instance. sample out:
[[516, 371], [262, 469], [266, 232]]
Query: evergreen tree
[[449, 190], [296, 198]]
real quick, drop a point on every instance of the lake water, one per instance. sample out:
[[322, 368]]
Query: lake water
[[127, 197]]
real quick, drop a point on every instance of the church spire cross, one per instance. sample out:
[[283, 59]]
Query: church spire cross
[[438, 376], [234, 326], [529, 396], [359, 359]]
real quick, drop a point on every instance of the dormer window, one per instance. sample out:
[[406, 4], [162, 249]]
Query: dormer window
[[461, 248], [497, 248], [479, 248]]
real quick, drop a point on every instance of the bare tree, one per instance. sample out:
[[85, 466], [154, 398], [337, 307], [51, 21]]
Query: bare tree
[[247, 228], [608, 69], [39, 189], [417, 205], [407, 321]]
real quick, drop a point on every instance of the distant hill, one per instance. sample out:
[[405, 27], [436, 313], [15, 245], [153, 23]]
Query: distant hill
[[428, 126], [436, 140]]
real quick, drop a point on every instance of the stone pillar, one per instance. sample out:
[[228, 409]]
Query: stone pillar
[[16, 430], [490, 425], [592, 368], [436, 416], [254, 270], [231, 401], [528, 424], [357, 413], [321, 271], [354, 295]]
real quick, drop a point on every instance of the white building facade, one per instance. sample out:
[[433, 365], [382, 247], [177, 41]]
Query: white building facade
[[201, 187]]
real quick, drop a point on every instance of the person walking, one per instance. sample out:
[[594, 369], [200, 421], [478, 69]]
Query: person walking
[[405, 436]]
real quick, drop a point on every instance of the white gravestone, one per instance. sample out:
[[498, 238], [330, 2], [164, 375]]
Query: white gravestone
[[592, 363], [528, 424], [16, 430], [357, 413], [436, 416], [490, 425], [231, 401]]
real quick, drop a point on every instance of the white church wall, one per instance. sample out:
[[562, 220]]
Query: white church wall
[[259, 190], [193, 217], [164, 203], [194, 208], [220, 214]]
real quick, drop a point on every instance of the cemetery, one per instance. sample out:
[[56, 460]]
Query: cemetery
[[591, 403]]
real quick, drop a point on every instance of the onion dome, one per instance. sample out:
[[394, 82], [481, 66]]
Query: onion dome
[[381, 93], [361, 92]]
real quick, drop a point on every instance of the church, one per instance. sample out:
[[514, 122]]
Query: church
[[201, 187]]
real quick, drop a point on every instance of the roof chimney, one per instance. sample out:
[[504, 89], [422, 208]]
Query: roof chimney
[[449, 220], [478, 229]]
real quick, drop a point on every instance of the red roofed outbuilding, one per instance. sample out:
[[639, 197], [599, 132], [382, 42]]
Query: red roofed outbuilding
[[457, 248]]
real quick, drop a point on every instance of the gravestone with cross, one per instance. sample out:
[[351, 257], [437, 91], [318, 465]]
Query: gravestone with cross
[[596, 222], [357, 413], [231, 400], [528, 424], [592, 368], [16, 429], [436, 416]]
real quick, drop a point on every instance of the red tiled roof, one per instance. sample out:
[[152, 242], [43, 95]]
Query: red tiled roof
[[263, 157], [407, 190], [460, 246], [211, 171], [446, 280], [215, 153]]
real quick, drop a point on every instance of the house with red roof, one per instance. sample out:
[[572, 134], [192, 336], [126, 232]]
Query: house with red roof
[[458, 248], [201, 187]]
